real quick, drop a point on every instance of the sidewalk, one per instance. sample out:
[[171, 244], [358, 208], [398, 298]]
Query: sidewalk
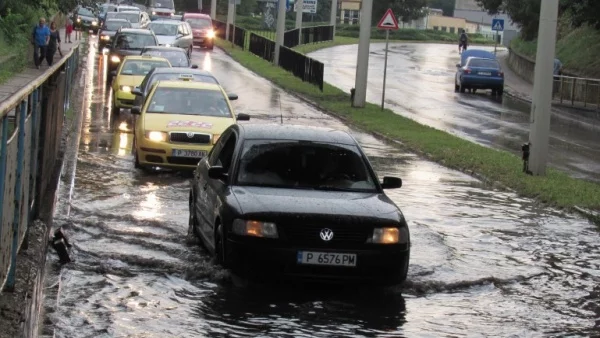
[[30, 73]]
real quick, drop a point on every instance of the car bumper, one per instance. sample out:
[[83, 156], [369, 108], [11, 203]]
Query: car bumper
[[124, 99], [483, 82], [160, 154], [380, 265], [203, 41]]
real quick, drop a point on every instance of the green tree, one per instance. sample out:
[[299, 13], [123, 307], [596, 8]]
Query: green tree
[[582, 12], [406, 10], [446, 5], [524, 13]]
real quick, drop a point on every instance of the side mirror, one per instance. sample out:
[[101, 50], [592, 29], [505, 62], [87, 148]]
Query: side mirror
[[194, 66], [232, 97], [136, 110], [458, 65], [243, 117], [217, 173], [113, 73], [391, 183], [137, 92]]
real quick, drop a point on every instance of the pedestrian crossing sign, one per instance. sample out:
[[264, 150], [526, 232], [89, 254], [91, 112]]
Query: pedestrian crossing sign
[[498, 24], [388, 21]]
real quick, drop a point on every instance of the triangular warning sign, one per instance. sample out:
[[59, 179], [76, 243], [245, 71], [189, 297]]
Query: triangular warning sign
[[498, 26], [388, 21]]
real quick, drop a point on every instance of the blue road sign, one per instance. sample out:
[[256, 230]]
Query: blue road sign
[[498, 25]]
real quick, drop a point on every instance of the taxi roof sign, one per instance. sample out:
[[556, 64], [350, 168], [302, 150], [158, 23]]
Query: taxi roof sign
[[186, 77]]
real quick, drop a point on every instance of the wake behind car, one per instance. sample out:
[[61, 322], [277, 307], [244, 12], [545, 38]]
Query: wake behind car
[[108, 31], [298, 202], [479, 69], [178, 57], [179, 123], [202, 29], [170, 74], [130, 74], [128, 41]]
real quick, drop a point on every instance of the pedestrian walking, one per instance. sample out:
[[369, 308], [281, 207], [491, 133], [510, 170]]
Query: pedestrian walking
[[69, 29], [556, 78], [53, 44], [463, 41], [39, 40]]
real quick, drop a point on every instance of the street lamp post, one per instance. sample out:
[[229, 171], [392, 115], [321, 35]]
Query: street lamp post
[[362, 64], [541, 108]]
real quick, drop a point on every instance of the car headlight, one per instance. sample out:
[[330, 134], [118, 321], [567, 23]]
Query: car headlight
[[210, 34], [255, 228], [115, 59], [94, 23], [389, 236], [167, 45], [105, 37], [156, 136], [153, 13], [216, 138], [78, 19], [126, 89]]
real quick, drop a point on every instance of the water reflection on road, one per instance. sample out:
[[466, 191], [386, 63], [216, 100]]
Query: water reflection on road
[[483, 261]]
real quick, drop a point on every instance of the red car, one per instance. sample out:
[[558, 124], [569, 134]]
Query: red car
[[202, 29]]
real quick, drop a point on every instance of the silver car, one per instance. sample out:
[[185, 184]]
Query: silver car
[[173, 34], [137, 19]]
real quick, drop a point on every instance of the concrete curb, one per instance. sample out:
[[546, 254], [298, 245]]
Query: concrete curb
[[591, 215]]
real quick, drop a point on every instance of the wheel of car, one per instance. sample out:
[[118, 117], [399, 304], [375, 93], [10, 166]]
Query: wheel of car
[[116, 110], [190, 51], [473, 90], [494, 92], [192, 224], [211, 46], [456, 88], [462, 88], [500, 92], [220, 247]]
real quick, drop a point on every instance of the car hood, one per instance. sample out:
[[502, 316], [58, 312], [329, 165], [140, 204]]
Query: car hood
[[193, 123], [127, 52], [87, 18], [165, 39], [108, 33], [130, 80], [297, 202]]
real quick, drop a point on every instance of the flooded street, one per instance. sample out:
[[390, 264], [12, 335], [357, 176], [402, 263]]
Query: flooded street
[[420, 86], [483, 262]]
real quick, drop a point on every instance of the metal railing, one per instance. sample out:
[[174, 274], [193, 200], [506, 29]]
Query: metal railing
[[30, 136], [577, 91], [305, 68], [261, 47], [313, 34]]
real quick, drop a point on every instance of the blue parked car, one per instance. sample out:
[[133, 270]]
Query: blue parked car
[[479, 69]]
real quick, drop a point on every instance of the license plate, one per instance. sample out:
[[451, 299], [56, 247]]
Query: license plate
[[326, 258], [189, 153], [485, 73], [201, 39]]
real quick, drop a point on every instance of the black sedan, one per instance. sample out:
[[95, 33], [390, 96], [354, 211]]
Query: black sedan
[[109, 30], [178, 57], [300, 202]]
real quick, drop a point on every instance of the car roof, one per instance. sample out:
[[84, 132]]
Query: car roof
[[293, 132], [188, 84], [480, 58], [179, 49], [136, 30], [144, 58], [128, 12], [477, 53], [182, 70]]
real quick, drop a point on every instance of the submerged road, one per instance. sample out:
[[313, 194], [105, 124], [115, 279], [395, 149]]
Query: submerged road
[[420, 86], [483, 262]]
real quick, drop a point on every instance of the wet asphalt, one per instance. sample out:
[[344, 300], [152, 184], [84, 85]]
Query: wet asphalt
[[420, 86], [484, 262]]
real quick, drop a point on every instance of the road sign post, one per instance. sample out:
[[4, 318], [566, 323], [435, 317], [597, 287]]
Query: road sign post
[[498, 26], [387, 22]]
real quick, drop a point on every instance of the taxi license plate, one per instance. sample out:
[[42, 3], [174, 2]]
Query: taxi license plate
[[189, 153], [326, 258], [485, 73]]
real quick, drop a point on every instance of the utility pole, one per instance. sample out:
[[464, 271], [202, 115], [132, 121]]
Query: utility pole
[[299, 5], [333, 19], [280, 29], [200, 6], [541, 108], [213, 9], [362, 64], [230, 13]]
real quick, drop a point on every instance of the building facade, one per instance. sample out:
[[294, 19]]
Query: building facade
[[349, 11]]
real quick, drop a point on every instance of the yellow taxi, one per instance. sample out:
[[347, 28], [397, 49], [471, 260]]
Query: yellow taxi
[[179, 123], [129, 75]]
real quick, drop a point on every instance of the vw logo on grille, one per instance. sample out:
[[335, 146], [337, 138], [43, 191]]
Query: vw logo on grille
[[326, 234], [190, 135]]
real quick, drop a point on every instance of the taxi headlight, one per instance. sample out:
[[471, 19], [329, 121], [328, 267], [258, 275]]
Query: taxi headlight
[[126, 89], [156, 136], [255, 228], [210, 34], [115, 59], [215, 138], [389, 236]]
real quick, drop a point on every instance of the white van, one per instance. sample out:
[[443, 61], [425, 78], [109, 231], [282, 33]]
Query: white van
[[160, 8]]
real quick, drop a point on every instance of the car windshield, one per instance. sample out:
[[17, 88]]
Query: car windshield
[[176, 58], [176, 76], [163, 28], [189, 101], [198, 23], [115, 25], [162, 4], [131, 17], [304, 165], [141, 67], [85, 12], [134, 41], [481, 63], [111, 15]]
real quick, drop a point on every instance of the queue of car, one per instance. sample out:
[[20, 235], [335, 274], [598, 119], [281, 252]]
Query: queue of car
[[265, 200]]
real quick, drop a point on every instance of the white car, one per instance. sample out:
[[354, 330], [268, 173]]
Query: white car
[[171, 33], [137, 19]]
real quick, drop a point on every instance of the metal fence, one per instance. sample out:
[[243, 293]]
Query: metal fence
[[303, 67], [261, 47], [30, 127], [312, 34], [577, 92]]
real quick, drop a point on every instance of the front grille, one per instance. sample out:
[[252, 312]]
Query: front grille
[[185, 138], [183, 160], [310, 234]]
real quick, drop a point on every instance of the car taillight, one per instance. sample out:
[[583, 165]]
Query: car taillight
[[467, 71], [501, 74]]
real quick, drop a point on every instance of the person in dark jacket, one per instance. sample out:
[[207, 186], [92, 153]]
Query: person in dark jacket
[[39, 40], [53, 44]]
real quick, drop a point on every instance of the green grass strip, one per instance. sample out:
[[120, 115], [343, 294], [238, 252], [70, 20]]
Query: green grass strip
[[495, 166]]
